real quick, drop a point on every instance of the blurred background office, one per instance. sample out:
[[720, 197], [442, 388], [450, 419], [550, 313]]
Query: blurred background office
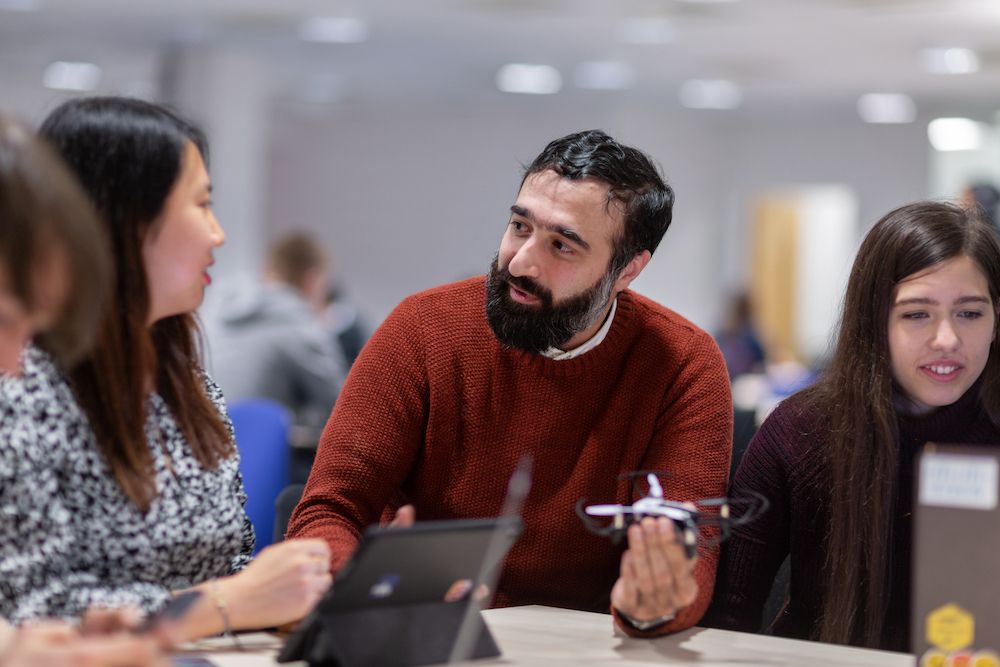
[[394, 130]]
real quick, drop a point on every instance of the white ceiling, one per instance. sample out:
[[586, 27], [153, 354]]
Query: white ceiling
[[782, 53]]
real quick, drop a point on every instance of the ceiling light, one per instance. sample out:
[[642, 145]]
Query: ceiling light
[[887, 108], [604, 75], [950, 61], [710, 94], [333, 30], [649, 30], [529, 79], [955, 134], [62, 75]]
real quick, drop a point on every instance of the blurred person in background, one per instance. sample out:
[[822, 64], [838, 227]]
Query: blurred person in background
[[738, 338], [268, 340], [54, 276], [344, 320], [985, 198]]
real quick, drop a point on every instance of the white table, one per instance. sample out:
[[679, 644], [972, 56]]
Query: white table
[[546, 636], [543, 636]]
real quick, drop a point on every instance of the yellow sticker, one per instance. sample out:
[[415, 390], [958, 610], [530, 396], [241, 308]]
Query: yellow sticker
[[950, 627], [934, 658], [985, 659]]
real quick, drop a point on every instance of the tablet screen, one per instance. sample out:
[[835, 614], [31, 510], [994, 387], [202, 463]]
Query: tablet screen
[[394, 566]]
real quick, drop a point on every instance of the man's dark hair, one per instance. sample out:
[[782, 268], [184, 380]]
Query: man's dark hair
[[634, 182]]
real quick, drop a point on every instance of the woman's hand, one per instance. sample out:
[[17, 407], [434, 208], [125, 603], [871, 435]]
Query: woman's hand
[[281, 584]]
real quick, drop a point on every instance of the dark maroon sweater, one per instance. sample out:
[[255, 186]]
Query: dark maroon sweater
[[783, 462]]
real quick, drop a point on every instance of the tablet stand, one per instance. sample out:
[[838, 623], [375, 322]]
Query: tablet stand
[[392, 636]]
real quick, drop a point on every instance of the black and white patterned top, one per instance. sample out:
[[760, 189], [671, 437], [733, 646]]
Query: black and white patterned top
[[70, 539]]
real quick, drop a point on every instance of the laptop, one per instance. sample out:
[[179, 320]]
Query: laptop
[[956, 571]]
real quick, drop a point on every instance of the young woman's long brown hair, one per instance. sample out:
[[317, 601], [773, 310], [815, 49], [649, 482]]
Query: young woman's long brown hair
[[128, 155], [856, 392]]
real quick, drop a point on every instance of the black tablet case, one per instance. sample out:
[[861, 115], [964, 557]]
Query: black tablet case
[[386, 606]]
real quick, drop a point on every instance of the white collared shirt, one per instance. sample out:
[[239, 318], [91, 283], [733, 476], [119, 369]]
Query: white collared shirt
[[594, 341]]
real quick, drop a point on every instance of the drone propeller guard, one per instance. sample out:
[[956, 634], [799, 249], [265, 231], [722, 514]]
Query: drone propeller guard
[[693, 520]]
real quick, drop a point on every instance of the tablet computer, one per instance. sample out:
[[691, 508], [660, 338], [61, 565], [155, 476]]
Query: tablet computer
[[400, 567], [395, 566]]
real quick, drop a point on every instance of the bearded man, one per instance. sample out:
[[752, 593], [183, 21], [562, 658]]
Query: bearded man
[[549, 355]]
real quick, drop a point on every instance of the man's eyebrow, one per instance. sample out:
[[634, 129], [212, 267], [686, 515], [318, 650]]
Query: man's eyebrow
[[925, 301], [562, 231]]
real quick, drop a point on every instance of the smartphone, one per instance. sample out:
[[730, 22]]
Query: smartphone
[[172, 611]]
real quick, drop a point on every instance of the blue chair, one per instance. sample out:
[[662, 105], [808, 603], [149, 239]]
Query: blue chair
[[261, 428]]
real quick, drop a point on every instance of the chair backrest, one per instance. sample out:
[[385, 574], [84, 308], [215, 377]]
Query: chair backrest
[[283, 508], [261, 427]]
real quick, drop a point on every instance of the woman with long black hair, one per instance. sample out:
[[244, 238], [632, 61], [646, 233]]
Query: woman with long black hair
[[147, 498]]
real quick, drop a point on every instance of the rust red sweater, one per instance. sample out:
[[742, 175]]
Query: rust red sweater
[[436, 412]]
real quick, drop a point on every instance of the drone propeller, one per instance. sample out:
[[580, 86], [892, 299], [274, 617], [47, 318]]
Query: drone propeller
[[607, 510], [655, 489]]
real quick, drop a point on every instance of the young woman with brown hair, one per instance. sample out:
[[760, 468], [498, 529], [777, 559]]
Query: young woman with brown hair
[[147, 498], [916, 359]]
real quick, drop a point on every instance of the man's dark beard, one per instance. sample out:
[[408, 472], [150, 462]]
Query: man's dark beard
[[537, 328]]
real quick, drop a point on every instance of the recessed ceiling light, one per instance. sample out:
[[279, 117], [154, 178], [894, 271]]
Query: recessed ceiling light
[[648, 30], [604, 75], [950, 61], [529, 79], [710, 94], [333, 30], [955, 134], [887, 108], [62, 75]]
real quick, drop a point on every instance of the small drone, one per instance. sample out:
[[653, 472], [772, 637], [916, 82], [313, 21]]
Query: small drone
[[687, 517]]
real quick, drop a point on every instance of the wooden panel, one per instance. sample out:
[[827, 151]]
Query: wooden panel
[[772, 274]]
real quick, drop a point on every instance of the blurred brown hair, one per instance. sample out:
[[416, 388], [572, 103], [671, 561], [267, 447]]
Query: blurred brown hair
[[45, 217], [293, 256]]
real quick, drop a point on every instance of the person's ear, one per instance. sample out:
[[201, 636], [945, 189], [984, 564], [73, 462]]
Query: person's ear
[[632, 270]]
